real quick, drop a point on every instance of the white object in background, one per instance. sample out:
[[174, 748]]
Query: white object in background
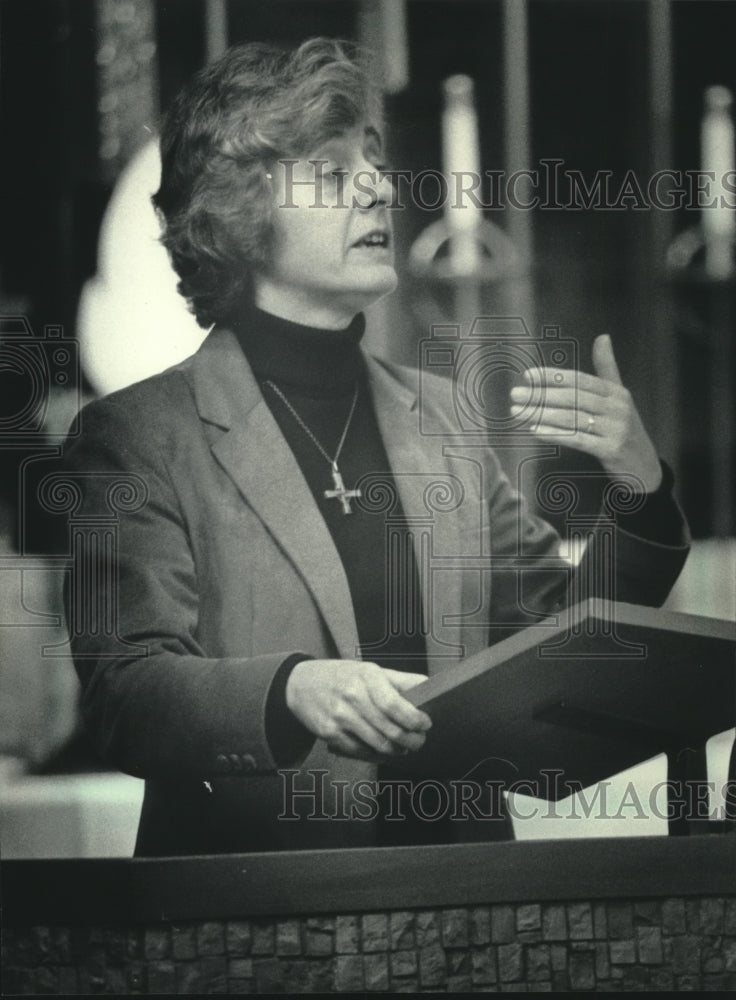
[[395, 47], [707, 584], [717, 154], [131, 321], [68, 815], [461, 157]]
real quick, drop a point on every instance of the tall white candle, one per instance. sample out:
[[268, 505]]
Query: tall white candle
[[461, 156], [395, 46], [717, 154]]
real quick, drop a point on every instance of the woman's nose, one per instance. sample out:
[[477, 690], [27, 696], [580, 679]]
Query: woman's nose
[[384, 187], [372, 187]]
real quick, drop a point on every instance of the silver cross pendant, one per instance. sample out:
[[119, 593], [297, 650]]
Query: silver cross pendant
[[339, 492]]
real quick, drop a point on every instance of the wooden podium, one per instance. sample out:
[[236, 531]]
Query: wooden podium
[[582, 696]]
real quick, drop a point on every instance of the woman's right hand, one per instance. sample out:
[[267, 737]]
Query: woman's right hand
[[357, 707]]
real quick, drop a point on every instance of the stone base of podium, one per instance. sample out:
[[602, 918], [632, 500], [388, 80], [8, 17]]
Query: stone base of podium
[[599, 946], [596, 916]]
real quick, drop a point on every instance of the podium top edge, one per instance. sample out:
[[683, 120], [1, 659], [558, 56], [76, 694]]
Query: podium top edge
[[658, 618], [572, 617]]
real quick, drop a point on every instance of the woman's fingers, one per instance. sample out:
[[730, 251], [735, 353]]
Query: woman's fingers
[[359, 718], [588, 443], [591, 413], [569, 397], [565, 387], [572, 421], [604, 360], [556, 399], [567, 378], [391, 714], [386, 693], [373, 717], [354, 705]]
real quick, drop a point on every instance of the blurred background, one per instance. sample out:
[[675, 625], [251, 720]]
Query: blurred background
[[617, 88]]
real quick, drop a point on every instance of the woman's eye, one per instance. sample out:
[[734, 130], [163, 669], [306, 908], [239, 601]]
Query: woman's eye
[[334, 170]]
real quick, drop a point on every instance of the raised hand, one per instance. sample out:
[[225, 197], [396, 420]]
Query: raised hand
[[357, 707], [593, 413]]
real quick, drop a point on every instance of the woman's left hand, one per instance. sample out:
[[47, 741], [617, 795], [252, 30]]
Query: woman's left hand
[[593, 413]]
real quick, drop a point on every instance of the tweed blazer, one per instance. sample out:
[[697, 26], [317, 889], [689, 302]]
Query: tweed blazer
[[228, 569]]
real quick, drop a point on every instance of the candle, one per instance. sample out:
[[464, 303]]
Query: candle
[[395, 46], [460, 149], [717, 152]]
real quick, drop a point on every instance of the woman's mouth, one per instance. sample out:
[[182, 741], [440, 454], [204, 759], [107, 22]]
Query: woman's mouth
[[376, 238]]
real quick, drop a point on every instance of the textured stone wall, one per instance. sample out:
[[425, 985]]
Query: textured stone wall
[[652, 945]]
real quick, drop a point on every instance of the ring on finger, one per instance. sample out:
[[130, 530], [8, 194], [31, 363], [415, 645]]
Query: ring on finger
[[591, 425]]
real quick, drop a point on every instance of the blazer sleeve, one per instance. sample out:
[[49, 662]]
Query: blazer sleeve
[[622, 559], [155, 704]]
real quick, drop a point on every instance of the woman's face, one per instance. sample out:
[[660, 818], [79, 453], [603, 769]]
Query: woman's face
[[333, 246]]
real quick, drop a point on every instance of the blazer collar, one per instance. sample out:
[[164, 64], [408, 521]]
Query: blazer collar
[[255, 455]]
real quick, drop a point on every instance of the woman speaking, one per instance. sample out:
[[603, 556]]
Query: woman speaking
[[273, 598]]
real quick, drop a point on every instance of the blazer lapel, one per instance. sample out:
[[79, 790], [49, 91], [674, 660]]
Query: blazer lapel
[[419, 465], [253, 452]]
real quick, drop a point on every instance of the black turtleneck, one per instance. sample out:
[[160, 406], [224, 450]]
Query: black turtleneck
[[318, 372], [313, 361]]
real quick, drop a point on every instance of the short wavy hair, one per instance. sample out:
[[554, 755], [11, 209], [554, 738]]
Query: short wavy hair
[[235, 118]]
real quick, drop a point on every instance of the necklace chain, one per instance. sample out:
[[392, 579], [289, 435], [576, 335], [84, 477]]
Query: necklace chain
[[295, 415]]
